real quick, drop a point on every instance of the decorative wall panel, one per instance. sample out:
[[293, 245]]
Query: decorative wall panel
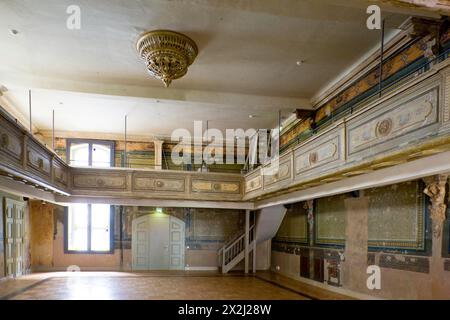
[[213, 186], [110, 181], [60, 173], [415, 264], [143, 182], [275, 176], [38, 159], [397, 216], [320, 154], [10, 142], [214, 225], [294, 227], [391, 124], [253, 182], [329, 223]]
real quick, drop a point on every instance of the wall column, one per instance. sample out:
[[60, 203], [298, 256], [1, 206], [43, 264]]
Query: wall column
[[158, 154], [356, 238], [246, 238], [435, 189]]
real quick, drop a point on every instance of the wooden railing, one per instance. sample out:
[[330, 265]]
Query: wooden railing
[[233, 251]]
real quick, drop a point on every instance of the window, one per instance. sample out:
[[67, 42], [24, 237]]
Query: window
[[94, 153], [89, 228]]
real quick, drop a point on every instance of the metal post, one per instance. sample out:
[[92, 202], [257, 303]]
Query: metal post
[[246, 238], [254, 242], [381, 60], [29, 110], [53, 130], [125, 145]]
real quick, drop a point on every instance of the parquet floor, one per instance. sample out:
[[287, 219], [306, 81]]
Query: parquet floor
[[144, 286]]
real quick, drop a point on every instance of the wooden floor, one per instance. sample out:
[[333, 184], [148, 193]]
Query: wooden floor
[[156, 285]]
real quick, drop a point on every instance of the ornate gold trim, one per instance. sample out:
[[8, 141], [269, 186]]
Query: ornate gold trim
[[167, 54]]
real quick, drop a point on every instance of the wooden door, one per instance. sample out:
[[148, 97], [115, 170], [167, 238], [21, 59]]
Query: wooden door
[[176, 246], [159, 242], [9, 238], [14, 237], [19, 238], [140, 243]]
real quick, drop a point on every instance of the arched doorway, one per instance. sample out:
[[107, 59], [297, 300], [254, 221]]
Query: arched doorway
[[158, 242]]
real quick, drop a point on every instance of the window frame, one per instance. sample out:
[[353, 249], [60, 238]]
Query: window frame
[[90, 142], [89, 251]]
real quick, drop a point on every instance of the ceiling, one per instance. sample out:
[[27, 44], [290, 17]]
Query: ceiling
[[247, 62], [92, 113]]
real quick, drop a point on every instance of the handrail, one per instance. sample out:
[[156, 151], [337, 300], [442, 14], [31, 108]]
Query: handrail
[[233, 239]]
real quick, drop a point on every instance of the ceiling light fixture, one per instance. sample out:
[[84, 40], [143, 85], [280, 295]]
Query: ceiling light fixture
[[167, 54]]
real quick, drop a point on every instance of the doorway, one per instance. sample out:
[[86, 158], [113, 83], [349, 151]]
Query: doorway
[[157, 242], [14, 213]]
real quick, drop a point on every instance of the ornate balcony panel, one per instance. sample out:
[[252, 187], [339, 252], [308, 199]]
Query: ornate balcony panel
[[253, 182], [157, 183], [274, 176], [11, 143], [321, 154], [39, 160], [404, 119]]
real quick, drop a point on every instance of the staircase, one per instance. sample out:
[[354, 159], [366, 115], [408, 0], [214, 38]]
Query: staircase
[[268, 221], [233, 251]]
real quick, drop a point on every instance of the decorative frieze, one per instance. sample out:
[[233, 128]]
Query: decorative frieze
[[407, 263]]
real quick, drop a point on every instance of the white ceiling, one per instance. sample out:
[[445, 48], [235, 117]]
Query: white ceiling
[[77, 112], [246, 64]]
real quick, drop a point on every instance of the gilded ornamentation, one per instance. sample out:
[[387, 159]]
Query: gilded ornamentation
[[167, 54], [384, 127], [435, 189], [159, 184], [313, 157], [309, 206], [4, 140]]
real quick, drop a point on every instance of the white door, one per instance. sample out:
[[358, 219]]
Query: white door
[[140, 243], [9, 238], [176, 246], [158, 243], [19, 240], [14, 237]]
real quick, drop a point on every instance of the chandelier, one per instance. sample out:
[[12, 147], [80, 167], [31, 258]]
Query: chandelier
[[167, 54]]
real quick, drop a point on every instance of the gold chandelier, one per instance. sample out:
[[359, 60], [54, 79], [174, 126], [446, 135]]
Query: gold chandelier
[[168, 54]]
